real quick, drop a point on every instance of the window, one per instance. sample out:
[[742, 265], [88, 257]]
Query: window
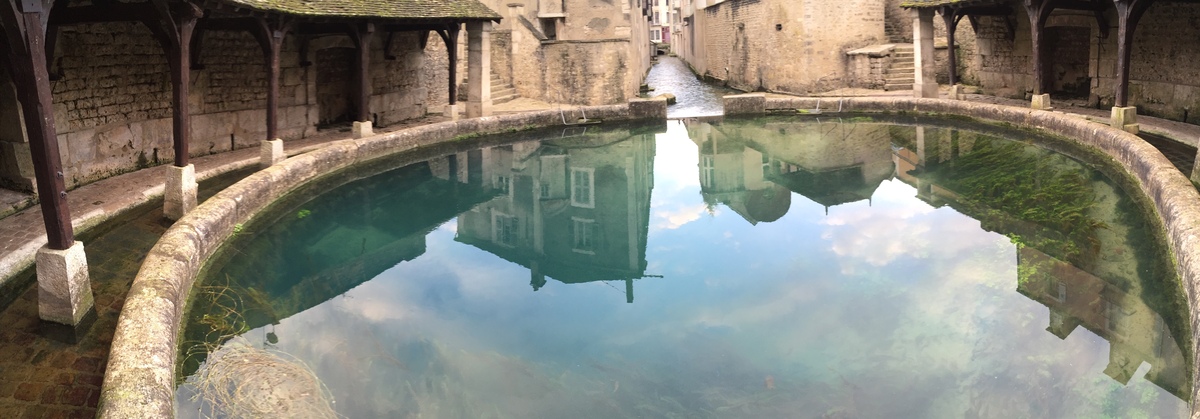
[[504, 229], [582, 185], [655, 35], [583, 232]]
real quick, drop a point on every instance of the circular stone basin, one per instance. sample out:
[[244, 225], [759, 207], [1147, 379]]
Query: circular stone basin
[[769, 267]]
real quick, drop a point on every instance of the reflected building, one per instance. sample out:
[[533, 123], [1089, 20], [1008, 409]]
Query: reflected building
[[1097, 288], [573, 209], [752, 167]]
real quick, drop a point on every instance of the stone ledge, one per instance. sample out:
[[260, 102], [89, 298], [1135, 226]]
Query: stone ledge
[[1172, 196], [140, 378]]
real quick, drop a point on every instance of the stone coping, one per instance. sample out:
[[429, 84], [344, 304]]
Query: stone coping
[[1171, 195], [140, 378]]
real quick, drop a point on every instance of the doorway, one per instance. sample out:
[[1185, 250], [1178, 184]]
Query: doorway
[[335, 86], [1067, 61]]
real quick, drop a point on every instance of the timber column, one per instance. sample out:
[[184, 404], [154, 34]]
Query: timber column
[[479, 69], [925, 77], [174, 30], [362, 36], [64, 289]]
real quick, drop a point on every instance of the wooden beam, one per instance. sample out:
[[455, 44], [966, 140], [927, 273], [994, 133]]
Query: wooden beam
[[1129, 12], [270, 35], [362, 35], [951, 18], [1039, 11], [174, 30], [387, 47], [116, 12], [450, 37], [26, 51]]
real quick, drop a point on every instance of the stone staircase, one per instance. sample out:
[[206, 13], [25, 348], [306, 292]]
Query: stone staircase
[[502, 92], [894, 35], [899, 74]]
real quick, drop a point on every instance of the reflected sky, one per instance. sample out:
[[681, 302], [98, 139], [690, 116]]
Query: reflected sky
[[888, 306]]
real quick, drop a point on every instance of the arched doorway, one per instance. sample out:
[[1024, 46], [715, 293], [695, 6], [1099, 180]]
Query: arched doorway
[[335, 85]]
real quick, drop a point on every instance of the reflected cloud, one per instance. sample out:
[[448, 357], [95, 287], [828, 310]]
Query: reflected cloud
[[673, 219]]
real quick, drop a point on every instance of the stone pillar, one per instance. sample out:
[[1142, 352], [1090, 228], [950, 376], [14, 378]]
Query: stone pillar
[[955, 92], [270, 153], [180, 192], [925, 77], [479, 69], [64, 290], [515, 10], [1125, 118]]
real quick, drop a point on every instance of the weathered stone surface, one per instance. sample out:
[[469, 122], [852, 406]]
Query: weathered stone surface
[[271, 152], [361, 129], [180, 191], [1041, 102], [654, 108], [64, 290], [1125, 118], [749, 104]]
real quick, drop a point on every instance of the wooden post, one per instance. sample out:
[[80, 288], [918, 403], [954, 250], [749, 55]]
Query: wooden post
[[1129, 12], [362, 35], [174, 31], [26, 52], [450, 37], [270, 35], [951, 17], [1039, 11]]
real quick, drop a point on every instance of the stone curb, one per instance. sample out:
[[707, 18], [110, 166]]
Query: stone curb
[[140, 377], [1173, 197]]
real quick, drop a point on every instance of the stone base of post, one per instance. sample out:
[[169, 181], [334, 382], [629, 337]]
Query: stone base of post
[[271, 152], [1196, 169], [927, 90], [1041, 102], [1125, 117], [478, 109], [362, 129], [179, 196], [955, 92], [64, 289], [451, 111]]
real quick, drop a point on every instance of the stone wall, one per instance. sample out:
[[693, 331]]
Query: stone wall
[[112, 98], [781, 45], [599, 54]]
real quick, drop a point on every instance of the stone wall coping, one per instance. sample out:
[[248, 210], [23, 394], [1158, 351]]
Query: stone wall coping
[[876, 51], [1172, 196], [140, 377]]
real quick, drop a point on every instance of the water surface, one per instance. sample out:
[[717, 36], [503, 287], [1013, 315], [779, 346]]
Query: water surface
[[747, 268]]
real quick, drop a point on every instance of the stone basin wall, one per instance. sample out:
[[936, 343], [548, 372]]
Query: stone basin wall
[[140, 378], [1172, 198]]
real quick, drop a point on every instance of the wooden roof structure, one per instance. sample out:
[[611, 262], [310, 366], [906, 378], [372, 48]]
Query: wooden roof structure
[[409, 10]]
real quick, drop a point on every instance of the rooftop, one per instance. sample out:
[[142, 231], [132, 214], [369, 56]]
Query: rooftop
[[388, 9]]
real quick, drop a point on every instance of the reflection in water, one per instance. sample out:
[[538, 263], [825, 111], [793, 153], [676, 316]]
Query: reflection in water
[[860, 274], [575, 209]]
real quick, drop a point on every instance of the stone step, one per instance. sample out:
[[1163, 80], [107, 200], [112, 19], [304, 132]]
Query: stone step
[[901, 67], [496, 100], [902, 56], [899, 82], [897, 87], [503, 92]]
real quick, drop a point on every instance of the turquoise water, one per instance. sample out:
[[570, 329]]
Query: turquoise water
[[776, 267]]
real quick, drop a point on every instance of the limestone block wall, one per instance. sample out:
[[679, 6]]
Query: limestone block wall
[[112, 98], [780, 45], [586, 73], [1165, 66]]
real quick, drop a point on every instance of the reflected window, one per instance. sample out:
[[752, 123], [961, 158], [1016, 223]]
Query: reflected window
[[766, 165], [504, 229], [584, 233], [1062, 291], [708, 174], [545, 191], [1056, 320], [503, 183], [582, 188]]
